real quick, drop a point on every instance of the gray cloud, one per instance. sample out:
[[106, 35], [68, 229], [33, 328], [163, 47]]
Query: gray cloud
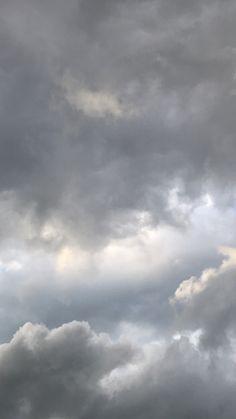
[[47, 374], [170, 67], [208, 302], [70, 372], [117, 127], [130, 280]]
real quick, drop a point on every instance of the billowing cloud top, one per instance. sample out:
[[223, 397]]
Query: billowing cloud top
[[117, 209]]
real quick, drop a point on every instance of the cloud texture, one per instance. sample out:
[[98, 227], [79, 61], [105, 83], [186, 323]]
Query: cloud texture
[[72, 372], [102, 118], [117, 209]]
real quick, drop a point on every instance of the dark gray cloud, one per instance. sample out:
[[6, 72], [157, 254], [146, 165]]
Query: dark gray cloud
[[70, 372], [117, 126], [151, 107], [47, 374]]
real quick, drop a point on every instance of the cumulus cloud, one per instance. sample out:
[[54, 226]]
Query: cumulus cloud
[[207, 302], [71, 372], [56, 373]]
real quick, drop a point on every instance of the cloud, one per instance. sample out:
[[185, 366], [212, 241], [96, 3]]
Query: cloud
[[117, 182], [92, 103], [208, 303], [152, 110], [56, 373], [130, 280], [72, 372]]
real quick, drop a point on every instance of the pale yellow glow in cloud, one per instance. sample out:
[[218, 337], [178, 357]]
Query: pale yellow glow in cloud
[[94, 103], [122, 259], [72, 260]]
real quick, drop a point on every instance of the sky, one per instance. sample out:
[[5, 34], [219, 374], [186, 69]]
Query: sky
[[117, 209]]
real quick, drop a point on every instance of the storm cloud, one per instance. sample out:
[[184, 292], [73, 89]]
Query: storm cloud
[[72, 372], [108, 107], [117, 209]]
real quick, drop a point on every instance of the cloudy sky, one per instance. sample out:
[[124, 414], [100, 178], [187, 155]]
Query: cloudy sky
[[117, 209]]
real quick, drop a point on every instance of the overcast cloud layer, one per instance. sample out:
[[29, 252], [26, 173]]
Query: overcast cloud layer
[[117, 209]]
